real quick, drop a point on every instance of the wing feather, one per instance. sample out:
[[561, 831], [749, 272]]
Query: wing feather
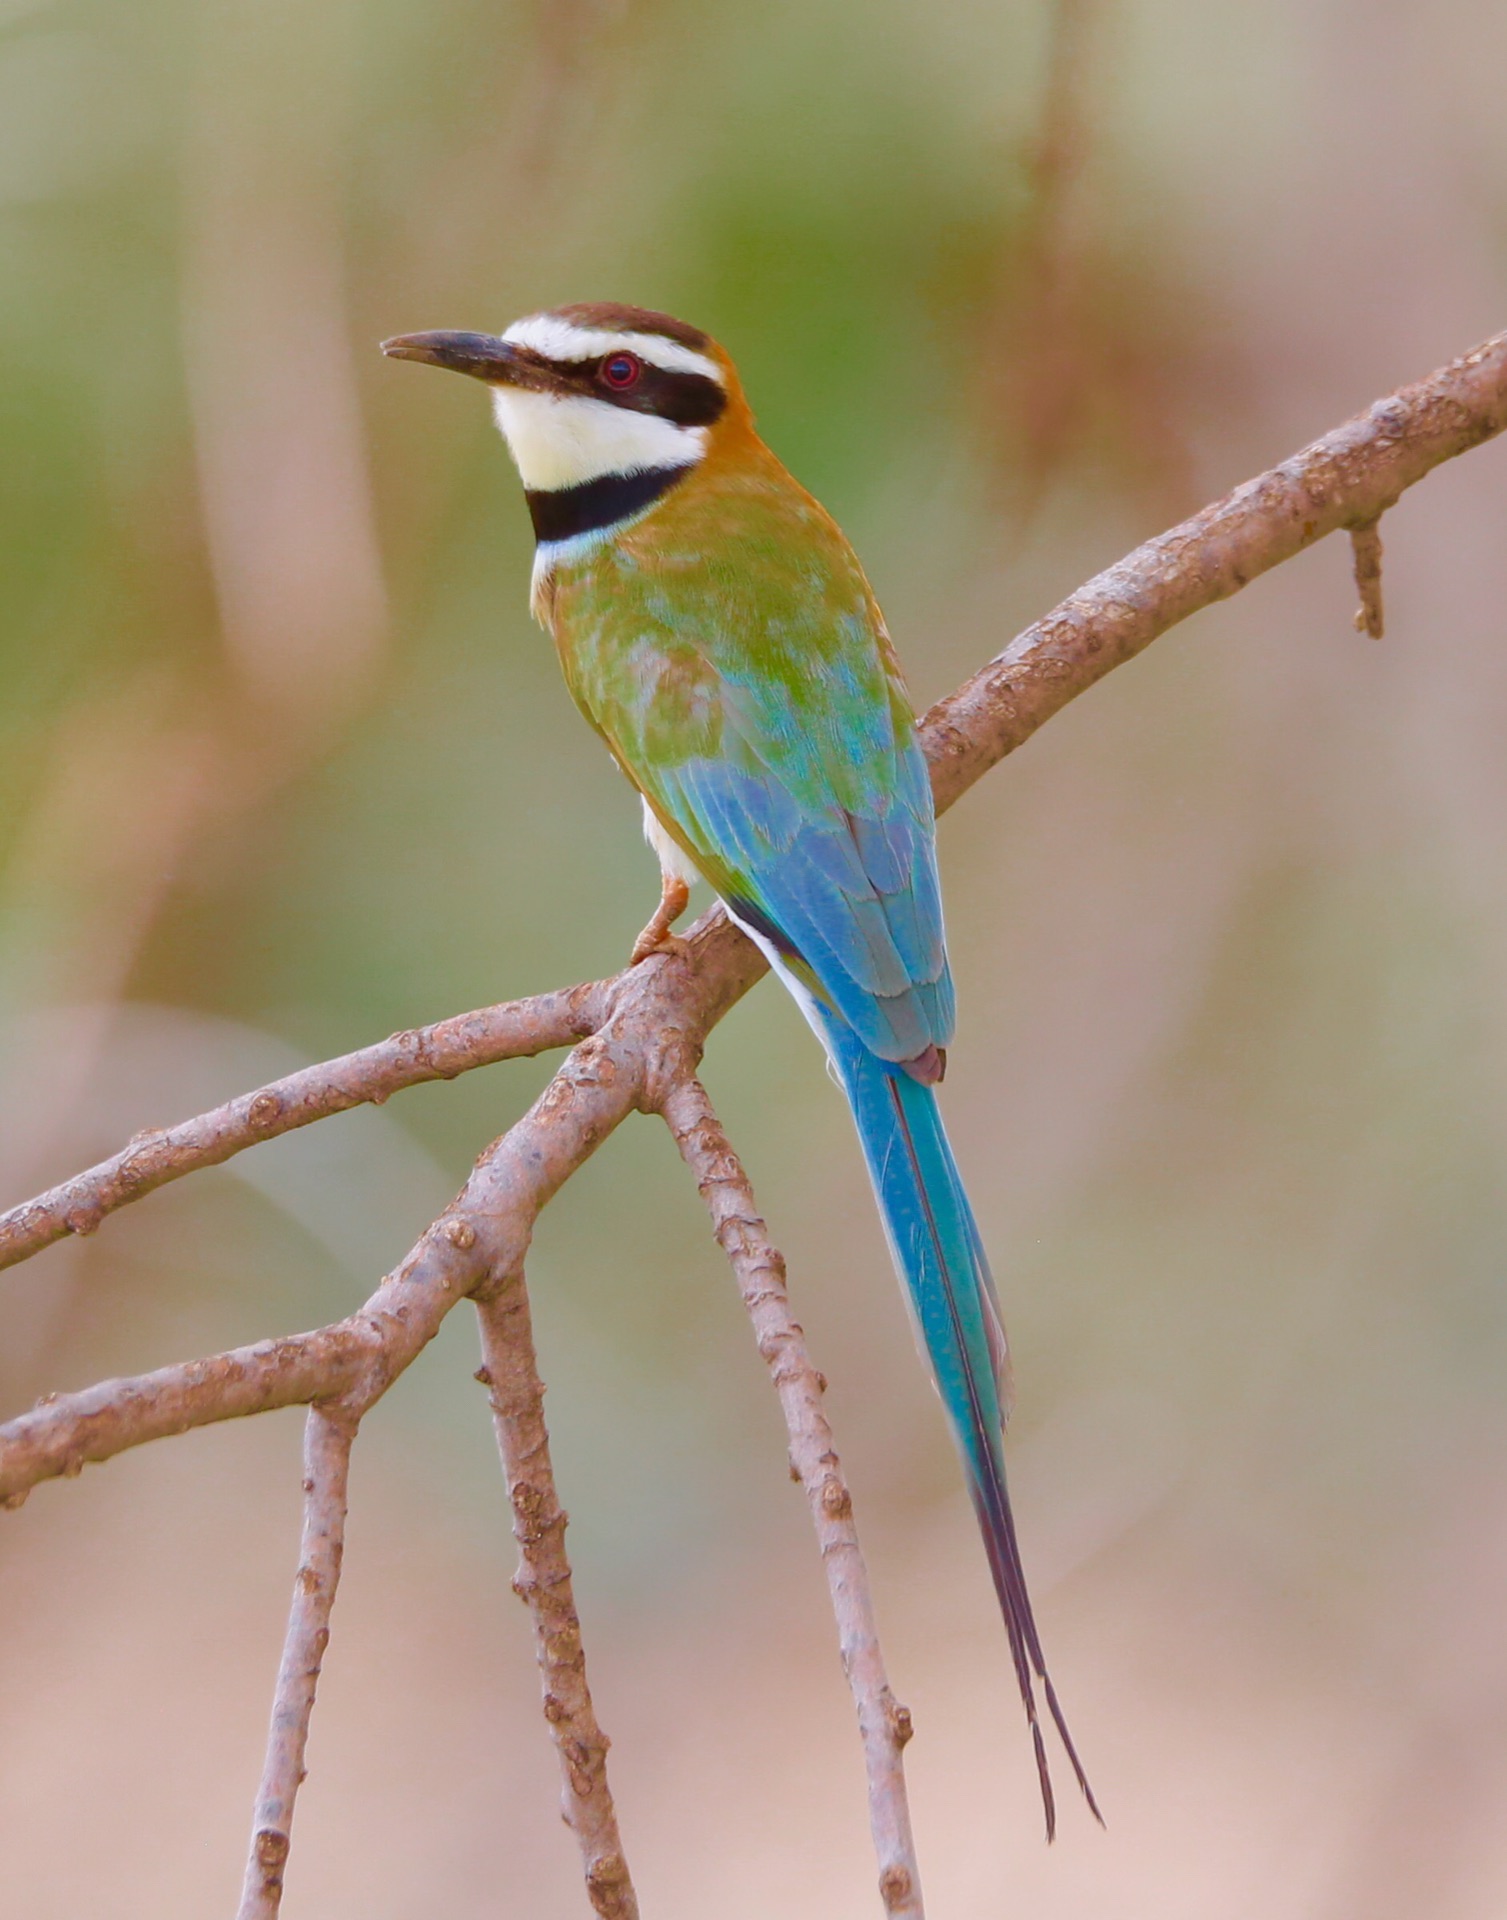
[[758, 707]]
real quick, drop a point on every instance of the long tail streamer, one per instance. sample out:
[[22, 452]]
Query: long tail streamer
[[940, 1258]]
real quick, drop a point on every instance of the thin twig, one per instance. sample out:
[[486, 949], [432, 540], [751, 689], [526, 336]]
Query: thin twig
[[512, 1031], [1365, 554], [543, 1582], [328, 1434], [759, 1269]]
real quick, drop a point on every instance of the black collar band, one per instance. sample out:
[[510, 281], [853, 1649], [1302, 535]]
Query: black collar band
[[560, 513]]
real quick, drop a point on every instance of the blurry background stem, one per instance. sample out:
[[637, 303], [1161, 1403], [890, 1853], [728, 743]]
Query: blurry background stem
[[278, 438]]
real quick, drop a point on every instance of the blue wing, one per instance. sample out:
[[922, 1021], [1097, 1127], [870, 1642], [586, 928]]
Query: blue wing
[[850, 898]]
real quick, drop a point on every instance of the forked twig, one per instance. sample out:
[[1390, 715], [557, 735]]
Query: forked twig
[[486, 1230], [65, 1432], [511, 1374], [759, 1269], [512, 1031], [328, 1433]]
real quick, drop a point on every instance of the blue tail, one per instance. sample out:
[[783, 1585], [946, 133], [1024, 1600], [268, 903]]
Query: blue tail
[[940, 1258]]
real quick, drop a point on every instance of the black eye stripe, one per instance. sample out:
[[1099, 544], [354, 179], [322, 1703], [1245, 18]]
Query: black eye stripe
[[687, 399]]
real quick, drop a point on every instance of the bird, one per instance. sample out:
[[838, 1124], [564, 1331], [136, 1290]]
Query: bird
[[717, 630]]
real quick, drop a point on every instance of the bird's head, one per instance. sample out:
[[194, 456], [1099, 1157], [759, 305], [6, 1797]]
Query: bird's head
[[586, 395]]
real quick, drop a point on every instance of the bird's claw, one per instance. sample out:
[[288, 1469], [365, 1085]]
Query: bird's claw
[[657, 937], [645, 948]]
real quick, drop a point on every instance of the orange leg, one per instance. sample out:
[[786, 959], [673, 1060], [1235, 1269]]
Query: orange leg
[[674, 895]]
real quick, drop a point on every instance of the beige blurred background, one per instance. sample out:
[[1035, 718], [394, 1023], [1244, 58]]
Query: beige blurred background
[[284, 766]]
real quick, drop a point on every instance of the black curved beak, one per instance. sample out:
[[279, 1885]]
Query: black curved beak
[[481, 355]]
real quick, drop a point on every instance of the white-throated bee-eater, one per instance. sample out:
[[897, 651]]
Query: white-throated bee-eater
[[717, 630]]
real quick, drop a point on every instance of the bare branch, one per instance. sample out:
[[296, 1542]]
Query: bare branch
[[1347, 479], [484, 1232], [543, 1583], [512, 1031], [327, 1457], [65, 1432], [759, 1268]]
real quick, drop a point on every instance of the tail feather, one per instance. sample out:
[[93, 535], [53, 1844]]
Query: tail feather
[[940, 1258]]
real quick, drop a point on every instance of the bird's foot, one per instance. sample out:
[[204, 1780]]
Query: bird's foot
[[645, 949], [657, 937]]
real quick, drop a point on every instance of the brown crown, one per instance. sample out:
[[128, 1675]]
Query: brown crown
[[607, 317]]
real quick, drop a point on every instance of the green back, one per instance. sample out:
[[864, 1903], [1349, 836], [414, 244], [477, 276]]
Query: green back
[[728, 648]]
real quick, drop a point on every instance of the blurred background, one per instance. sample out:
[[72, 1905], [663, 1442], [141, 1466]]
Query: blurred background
[[284, 766]]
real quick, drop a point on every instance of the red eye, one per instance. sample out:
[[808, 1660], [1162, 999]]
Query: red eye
[[620, 371]]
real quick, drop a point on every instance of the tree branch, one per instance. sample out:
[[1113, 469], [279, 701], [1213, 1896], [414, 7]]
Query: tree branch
[[511, 1373], [759, 1268], [1347, 479], [483, 1233], [328, 1434], [65, 1432], [512, 1031]]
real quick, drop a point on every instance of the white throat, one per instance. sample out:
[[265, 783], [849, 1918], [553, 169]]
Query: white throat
[[565, 442]]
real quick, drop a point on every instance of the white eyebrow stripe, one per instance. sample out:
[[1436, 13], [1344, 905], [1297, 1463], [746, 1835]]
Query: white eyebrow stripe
[[558, 339]]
